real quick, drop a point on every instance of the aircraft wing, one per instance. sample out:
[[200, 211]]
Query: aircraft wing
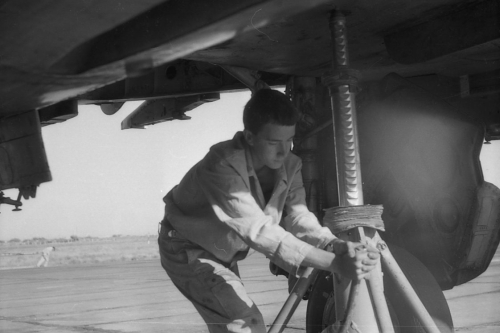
[[53, 51]]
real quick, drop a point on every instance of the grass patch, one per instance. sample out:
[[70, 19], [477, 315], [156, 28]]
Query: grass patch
[[84, 251]]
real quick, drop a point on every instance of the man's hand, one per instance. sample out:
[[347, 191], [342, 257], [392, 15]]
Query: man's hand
[[341, 247], [354, 260]]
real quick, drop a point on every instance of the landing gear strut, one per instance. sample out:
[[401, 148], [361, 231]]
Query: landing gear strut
[[357, 306]]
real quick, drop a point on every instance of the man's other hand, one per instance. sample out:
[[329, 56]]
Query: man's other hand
[[354, 260]]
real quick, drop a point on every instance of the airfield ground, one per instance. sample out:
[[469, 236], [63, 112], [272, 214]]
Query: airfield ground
[[136, 296]]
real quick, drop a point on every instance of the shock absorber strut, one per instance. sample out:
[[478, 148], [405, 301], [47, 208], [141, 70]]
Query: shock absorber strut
[[371, 313], [353, 306], [343, 84], [359, 306]]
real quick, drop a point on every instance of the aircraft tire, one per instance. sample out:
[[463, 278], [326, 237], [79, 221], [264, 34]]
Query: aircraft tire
[[321, 305]]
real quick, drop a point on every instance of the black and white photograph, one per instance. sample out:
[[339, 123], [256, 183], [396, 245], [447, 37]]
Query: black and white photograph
[[249, 166]]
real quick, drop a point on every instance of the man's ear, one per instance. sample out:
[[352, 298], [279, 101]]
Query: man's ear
[[248, 137]]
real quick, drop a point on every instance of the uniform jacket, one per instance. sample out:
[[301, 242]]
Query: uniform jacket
[[219, 205]]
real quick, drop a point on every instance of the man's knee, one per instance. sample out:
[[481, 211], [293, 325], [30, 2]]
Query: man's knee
[[251, 324]]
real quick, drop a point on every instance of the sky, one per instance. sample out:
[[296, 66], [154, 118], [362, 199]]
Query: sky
[[108, 181]]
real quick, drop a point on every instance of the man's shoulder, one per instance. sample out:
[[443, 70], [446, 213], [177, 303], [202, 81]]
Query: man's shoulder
[[227, 150], [292, 166], [293, 161]]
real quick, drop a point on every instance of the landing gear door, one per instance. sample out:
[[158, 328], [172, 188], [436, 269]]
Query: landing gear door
[[23, 162], [420, 159]]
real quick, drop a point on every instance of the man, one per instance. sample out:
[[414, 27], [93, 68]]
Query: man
[[44, 259], [234, 200]]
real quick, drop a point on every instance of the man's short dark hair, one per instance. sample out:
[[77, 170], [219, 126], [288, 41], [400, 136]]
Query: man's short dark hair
[[268, 106]]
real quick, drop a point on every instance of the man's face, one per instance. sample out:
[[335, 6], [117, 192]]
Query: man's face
[[270, 145]]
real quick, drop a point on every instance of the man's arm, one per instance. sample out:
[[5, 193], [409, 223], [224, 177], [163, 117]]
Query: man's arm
[[233, 204], [354, 263], [345, 259]]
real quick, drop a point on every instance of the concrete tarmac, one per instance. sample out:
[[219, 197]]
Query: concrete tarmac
[[139, 297]]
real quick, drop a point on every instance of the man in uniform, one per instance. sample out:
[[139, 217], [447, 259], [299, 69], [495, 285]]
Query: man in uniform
[[247, 193], [44, 259]]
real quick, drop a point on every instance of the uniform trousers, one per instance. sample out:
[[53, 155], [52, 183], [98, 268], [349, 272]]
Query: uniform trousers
[[214, 287]]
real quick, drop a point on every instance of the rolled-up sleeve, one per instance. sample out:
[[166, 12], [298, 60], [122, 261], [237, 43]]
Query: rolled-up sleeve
[[299, 220], [234, 205]]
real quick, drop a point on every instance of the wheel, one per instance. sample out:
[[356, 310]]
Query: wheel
[[321, 305], [427, 289]]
